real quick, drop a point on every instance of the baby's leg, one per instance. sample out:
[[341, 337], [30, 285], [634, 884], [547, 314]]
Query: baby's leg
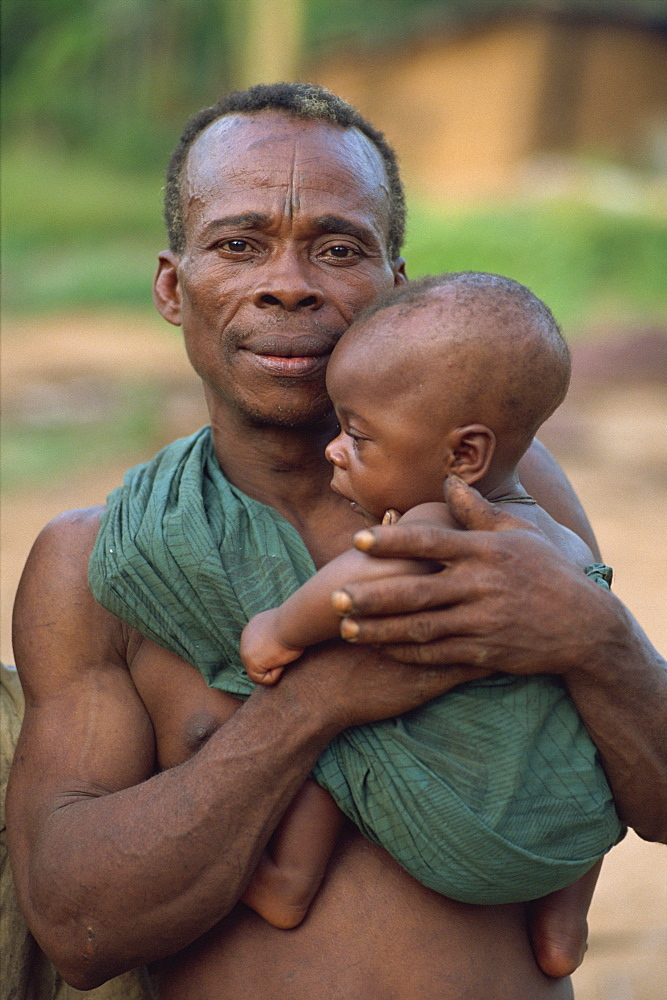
[[292, 868], [558, 927]]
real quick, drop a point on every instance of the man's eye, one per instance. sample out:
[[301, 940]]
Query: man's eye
[[342, 252], [235, 246]]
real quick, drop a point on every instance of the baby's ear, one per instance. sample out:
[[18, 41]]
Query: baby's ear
[[471, 449]]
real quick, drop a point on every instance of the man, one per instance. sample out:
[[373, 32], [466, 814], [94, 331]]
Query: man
[[137, 817]]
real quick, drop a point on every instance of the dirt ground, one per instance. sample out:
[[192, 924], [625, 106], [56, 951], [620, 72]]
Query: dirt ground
[[611, 437]]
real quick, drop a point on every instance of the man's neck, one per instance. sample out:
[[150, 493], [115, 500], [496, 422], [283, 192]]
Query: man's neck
[[285, 468]]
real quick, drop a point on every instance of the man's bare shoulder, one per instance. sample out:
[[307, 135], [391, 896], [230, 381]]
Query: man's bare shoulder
[[66, 542], [82, 523], [543, 478], [57, 621]]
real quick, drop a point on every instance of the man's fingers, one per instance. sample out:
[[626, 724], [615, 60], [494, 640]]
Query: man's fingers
[[398, 594], [414, 540], [420, 628], [474, 512], [422, 540]]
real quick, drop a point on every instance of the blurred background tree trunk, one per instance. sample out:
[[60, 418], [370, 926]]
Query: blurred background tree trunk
[[271, 32]]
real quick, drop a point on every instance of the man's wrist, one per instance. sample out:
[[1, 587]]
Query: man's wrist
[[614, 645], [298, 705]]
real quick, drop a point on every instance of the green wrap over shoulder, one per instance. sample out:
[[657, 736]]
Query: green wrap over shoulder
[[491, 793]]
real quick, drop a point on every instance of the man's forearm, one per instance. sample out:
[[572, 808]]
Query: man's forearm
[[126, 878], [112, 881], [621, 695]]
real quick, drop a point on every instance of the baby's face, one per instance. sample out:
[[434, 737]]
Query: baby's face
[[385, 455]]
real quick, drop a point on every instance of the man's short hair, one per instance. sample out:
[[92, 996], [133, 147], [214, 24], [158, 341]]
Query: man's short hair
[[301, 100]]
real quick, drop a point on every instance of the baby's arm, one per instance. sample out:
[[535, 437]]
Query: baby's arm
[[293, 865], [276, 637]]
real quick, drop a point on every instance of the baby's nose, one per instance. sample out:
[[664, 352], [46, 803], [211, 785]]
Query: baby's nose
[[334, 451]]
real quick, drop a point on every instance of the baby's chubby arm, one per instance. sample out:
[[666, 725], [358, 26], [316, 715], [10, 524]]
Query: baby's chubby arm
[[276, 637]]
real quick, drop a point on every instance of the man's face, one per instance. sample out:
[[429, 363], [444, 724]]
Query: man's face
[[286, 229], [388, 455]]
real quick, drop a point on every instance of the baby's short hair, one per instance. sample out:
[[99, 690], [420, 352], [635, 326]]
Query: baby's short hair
[[511, 360]]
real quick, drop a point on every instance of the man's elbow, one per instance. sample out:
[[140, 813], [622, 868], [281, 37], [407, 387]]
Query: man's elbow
[[647, 817], [77, 965], [80, 952], [653, 829], [82, 977]]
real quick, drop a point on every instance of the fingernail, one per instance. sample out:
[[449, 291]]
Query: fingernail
[[364, 540], [349, 629], [342, 602]]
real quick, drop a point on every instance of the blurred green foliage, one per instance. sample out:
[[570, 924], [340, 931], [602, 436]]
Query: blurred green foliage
[[94, 95], [78, 233], [592, 267], [118, 76]]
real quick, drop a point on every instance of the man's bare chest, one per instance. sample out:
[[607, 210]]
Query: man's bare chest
[[184, 710]]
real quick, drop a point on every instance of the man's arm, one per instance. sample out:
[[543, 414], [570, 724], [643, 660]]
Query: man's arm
[[544, 479], [116, 866], [508, 600]]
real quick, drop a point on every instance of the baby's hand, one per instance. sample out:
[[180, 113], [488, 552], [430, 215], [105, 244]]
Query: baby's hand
[[263, 655], [391, 516]]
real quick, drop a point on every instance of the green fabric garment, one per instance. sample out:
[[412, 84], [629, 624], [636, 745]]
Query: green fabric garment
[[491, 793]]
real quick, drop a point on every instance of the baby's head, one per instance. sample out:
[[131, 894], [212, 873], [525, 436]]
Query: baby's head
[[450, 374]]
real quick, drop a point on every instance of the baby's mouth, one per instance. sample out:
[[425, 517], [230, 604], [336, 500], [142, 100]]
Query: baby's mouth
[[356, 507]]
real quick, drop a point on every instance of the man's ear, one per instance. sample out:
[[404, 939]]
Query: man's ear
[[398, 267], [470, 450], [166, 287]]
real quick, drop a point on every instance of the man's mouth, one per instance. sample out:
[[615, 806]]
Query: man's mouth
[[294, 366], [290, 356]]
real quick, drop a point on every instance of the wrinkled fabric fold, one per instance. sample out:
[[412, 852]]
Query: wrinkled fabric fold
[[491, 793]]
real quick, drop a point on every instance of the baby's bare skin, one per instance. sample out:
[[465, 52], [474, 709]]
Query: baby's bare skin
[[276, 637]]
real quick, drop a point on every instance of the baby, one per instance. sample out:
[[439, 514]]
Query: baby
[[492, 793]]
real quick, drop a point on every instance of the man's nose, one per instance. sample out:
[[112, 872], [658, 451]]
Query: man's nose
[[335, 452], [288, 286]]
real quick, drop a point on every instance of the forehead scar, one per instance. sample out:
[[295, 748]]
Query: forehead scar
[[292, 201]]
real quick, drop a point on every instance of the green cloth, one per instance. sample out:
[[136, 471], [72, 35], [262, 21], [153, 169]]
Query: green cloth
[[491, 793]]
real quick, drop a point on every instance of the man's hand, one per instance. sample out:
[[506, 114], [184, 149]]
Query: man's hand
[[505, 599]]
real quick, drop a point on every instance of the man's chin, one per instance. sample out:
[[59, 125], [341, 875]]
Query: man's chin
[[291, 419]]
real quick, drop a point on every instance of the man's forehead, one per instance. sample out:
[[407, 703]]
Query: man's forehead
[[238, 143]]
